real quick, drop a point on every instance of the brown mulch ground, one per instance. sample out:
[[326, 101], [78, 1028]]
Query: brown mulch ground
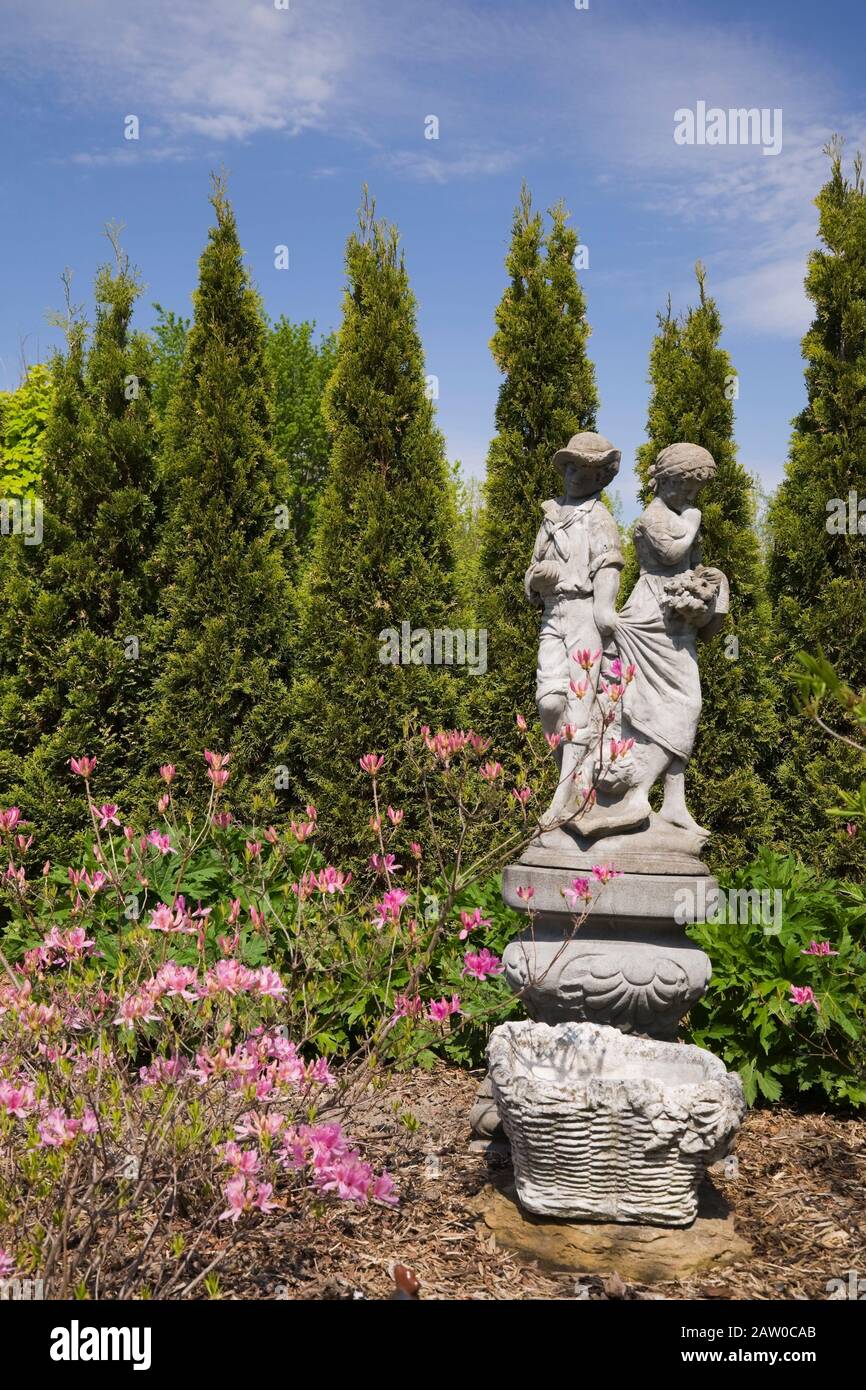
[[799, 1197]]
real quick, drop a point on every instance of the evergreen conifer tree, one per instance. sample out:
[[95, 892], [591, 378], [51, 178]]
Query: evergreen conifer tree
[[548, 394], [226, 556], [693, 389], [75, 622], [382, 559], [817, 571]]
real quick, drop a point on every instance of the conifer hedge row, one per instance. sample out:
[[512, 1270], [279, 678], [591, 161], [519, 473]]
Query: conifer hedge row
[[237, 519]]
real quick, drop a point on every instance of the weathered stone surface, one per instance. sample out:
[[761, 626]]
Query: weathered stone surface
[[607, 1127], [598, 976], [484, 1118], [639, 1254], [643, 902]]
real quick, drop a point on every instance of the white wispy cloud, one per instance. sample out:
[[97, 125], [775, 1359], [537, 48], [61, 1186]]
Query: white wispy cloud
[[595, 91]]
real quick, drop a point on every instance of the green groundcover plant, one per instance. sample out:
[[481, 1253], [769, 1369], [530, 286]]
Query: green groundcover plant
[[786, 1006]]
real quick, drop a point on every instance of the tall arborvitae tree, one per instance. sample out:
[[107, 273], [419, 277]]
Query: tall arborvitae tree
[[300, 366], [77, 610], [382, 553], [547, 395], [818, 556], [693, 390], [226, 556]]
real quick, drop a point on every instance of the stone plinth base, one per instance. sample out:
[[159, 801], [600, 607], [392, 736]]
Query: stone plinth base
[[639, 1254]]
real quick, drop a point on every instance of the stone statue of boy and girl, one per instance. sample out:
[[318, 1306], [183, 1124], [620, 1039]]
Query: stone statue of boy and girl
[[638, 664]]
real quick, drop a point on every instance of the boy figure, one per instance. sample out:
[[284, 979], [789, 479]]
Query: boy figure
[[574, 576]]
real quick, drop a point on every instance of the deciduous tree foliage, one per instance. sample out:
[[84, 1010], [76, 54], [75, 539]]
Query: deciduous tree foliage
[[75, 621], [693, 384], [226, 556], [817, 576], [23, 417], [382, 552], [547, 394]]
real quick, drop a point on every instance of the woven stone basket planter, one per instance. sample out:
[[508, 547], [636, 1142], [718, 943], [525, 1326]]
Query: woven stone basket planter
[[609, 1127]]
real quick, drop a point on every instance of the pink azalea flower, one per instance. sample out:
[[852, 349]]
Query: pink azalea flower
[[253, 848], [9, 820], [395, 817], [349, 1177], [167, 772], [482, 964], [222, 820], [383, 1190], [603, 873], [440, 1009], [307, 885], [579, 688], [160, 842], [490, 771], [18, 1101], [57, 1129], [851, 829], [176, 981], [471, 920], [216, 761], [331, 880], [406, 1007], [521, 722], [554, 740], [522, 794], [235, 1193], [106, 815], [384, 864], [388, 910], [269, 983], [371, 763], [819, 948], [585, 658], [803, 994], [618, 747], [7, 1264], [580, 889], [415, 850], [83, 767], [219, 776], [526, 892]]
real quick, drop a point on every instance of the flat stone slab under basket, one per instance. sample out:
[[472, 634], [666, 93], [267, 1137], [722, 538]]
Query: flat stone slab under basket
[[609, 1127], [639, 1254]]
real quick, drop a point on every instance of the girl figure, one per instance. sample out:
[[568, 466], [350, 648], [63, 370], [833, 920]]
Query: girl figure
[[675, 601]]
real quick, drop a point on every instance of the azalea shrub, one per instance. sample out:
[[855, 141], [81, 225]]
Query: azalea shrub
[[786, 1006], [188, 1013], [132, 1098]]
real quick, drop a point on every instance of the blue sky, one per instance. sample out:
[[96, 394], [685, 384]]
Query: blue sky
[[302, 105]]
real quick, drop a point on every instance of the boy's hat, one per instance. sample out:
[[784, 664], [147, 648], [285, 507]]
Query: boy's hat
[[592, 451]]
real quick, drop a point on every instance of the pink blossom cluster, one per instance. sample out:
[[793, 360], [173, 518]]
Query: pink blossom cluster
[[267, 1062], [387, 912], [471, 920], [59, 948], [482, 963], [324, 1151], [327, 882], [57, 1129], [227, 976], [447, 743], [17, 1098]]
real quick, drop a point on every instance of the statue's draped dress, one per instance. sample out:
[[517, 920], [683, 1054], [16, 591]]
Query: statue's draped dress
[[663, 701]]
